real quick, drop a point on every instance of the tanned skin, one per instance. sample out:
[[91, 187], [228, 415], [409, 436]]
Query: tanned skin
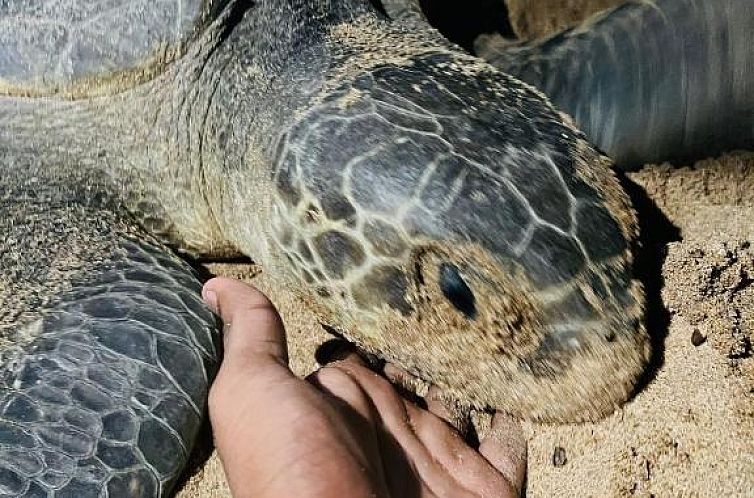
[[344, 430]]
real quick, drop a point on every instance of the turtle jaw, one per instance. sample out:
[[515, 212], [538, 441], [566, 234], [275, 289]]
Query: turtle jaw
[[438, 213], [482, 332], [450, 221]]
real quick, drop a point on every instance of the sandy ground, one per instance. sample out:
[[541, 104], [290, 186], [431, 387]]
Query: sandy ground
[[689, 431], [535, 18]]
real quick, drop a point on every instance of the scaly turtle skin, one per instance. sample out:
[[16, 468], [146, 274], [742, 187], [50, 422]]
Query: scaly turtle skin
[[648, 81], [431, 208]]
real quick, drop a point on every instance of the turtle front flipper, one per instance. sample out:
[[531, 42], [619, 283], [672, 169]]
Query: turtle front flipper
[[107, 347], [667, 80]]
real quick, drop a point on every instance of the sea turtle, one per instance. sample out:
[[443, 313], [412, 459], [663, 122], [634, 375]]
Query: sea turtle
[[648, 81], [427, 206]]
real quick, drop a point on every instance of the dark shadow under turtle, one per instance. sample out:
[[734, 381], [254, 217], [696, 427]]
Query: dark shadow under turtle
[[437, 212]]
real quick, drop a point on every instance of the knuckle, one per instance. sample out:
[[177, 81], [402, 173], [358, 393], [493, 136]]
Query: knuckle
[[337, 380]]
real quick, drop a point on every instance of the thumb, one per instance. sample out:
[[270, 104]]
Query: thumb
[[253, 333], [245, 397]]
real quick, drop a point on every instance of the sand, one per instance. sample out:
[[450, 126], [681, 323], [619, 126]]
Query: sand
[[535, 18], [689, 431]]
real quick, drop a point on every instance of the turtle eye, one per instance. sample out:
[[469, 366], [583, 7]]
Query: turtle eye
[[456, 290]]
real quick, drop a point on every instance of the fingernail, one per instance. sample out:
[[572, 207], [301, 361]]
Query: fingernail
[[210, 297]]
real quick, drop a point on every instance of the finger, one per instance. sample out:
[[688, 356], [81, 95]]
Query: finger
[[464, 465], [451, 411], [505, 448], [397, 375], [446, 465], [253, 330], [397, 416], [337, 382], [254, 362], [410, 386]]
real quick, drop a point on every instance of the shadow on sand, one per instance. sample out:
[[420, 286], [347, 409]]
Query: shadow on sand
[[655, 232]]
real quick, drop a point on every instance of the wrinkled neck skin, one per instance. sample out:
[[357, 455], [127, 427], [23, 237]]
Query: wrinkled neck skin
[[271, 66], [278, 65], [189, 152]]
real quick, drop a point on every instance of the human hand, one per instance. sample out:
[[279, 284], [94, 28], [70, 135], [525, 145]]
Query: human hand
[[344, 431]]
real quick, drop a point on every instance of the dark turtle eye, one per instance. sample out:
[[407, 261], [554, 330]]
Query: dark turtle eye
[[456, 290]]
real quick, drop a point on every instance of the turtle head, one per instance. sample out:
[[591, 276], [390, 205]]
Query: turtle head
[[448, 218]]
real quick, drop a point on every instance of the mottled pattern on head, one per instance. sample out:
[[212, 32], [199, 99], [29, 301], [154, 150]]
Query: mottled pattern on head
[[417, 152]]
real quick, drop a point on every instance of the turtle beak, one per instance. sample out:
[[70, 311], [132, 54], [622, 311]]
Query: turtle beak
[[450, 216]]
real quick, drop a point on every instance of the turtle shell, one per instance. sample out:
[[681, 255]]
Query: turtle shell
[[52, 46]]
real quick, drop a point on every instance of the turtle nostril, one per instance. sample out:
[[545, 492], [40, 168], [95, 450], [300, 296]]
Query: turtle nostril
[[456, 290]]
